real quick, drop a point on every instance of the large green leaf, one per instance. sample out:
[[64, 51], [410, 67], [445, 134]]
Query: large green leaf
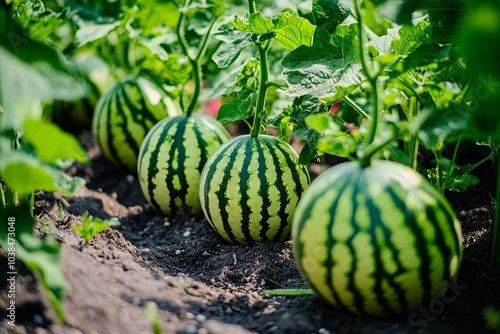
[[328, 14], [312, 70], [292, 31], [51, 143], [24, 173], [411, 37], [30, 72], [237, 110], [234, 41], [288, 30]]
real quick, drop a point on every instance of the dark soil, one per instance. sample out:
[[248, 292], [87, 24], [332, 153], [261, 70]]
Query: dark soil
[[202, 285]]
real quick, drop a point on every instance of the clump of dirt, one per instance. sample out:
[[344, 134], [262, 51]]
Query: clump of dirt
[[200, 284]]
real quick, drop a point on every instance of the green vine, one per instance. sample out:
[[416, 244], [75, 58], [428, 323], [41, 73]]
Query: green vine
[[365, 158], [195, 61], [260, 113]]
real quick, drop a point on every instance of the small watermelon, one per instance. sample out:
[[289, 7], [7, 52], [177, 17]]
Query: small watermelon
[[377, 241], [249, 189], [171, 160], [124, 115]]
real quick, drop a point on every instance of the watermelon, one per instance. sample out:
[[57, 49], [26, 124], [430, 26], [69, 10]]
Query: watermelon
[[171, 159], [377, 241], [249, 189], [124, 115]]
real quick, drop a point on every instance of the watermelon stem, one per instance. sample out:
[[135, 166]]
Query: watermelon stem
[[373, 148], [495, 253], [260, 113], [356, 107], [412, 146], [372, 80], [194, 61], [2, 197]]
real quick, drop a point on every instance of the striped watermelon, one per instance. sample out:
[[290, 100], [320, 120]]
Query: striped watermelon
[[249, 189], [171, 159], [125, 114], [376, 241]]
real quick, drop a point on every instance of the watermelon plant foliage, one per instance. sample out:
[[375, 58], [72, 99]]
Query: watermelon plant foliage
[[250, 186], [432, 90], [34, 151], [401, 81]]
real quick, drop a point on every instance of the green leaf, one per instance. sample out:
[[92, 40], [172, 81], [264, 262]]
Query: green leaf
[[334, 140], [345, 40], [411, 37], [259, 25], [398, 155], [442, 93], [288, 29], [240, 79], [306, 72], [89, 31], [293, 31], [426, 54], [328, 14], [309, 151], [329, 71], [39, 22], [68, 185], [434, 127], [237, 110], [234, 41], [25, 174], [31, 71], [51, 143], [306, 106], [92, 226]]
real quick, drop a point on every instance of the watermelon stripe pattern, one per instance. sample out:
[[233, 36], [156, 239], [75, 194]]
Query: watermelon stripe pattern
[[171, 159], [125, 114], [376, 241], [250, 187]]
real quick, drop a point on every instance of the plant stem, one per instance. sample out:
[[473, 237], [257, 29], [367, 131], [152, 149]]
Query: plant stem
[[455, 152], [439, 172], [355, 106], [2, 197], [251, 7], [372, 79], [194, 61], [181, 33], [30, 198], [413, 90], [495, 252], [412, 147], [264, 76], [261, 94], [373, 148]]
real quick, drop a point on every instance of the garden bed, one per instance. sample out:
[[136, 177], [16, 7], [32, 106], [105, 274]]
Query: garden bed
[[200, 284]]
